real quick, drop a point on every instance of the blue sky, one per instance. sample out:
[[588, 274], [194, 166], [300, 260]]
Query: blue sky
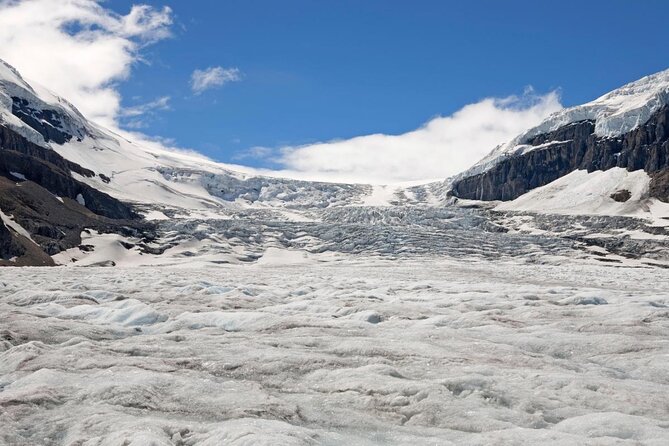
[[315, 70], [317, 88]]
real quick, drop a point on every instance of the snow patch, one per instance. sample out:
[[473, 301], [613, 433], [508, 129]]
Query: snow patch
[[12, 224], [155, 215], [582, 192], [284, 257]]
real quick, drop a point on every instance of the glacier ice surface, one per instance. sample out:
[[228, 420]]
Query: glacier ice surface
[[368, 351]]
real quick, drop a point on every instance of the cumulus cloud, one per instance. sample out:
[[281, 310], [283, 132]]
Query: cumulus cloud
[[212, 77], [78, 48], [441, 148]]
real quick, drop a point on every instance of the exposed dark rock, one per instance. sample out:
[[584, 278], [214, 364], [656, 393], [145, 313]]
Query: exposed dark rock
[[621, 196], [659, 184], [53, 172], [9, 248], [127, 245], [54, 225], [12, 141], [47, 122], [17, 250], [576, 147], [46, 206], [154, 251]]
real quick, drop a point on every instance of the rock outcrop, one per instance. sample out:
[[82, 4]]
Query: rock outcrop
[[53, 172], [9, 248], [39, 191], [47, 122], [575, 147]]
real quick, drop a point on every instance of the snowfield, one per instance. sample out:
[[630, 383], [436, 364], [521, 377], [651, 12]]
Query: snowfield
[[358, 350], [582, 193]]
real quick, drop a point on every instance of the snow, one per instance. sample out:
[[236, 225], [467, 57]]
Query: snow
[[9, 74], [586, 193], [13, 85], [192, 184], [102, 249], [617, 112], [9, 222], [369, 352], [155, 215], [381, 196], [277, 256], [81, 200], [18, 175]]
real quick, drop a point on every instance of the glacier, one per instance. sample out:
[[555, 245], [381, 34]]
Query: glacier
[[359, 350], [264, 310]]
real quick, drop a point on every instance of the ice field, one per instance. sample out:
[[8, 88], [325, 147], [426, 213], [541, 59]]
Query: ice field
[[357, 350]]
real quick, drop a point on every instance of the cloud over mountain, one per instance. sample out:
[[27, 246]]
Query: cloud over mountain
[[444, 146], [86, 47]]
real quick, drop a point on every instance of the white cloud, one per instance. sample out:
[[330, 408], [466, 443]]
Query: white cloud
[[202, 80], [160, 104], [138, 116], [79, 49], [441, 148], [255, 152]]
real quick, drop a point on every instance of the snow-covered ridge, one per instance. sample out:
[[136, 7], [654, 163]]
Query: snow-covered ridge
[[615, 113], [37, 99], [140, 171]]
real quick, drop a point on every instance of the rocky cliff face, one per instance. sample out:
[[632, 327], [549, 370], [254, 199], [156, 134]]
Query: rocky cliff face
[[9, 248], [574, 147], [53, 172], [39, 191]]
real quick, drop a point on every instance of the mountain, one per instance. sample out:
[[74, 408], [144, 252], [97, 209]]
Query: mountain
[[624, 131], [45, 201], [74, 192], [62, 175]]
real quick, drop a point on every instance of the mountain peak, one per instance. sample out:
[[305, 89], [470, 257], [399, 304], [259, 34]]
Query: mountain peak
[[9, 74], [615, 113]]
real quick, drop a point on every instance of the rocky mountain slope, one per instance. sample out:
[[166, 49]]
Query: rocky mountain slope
[[45, 204], [627, 128]]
